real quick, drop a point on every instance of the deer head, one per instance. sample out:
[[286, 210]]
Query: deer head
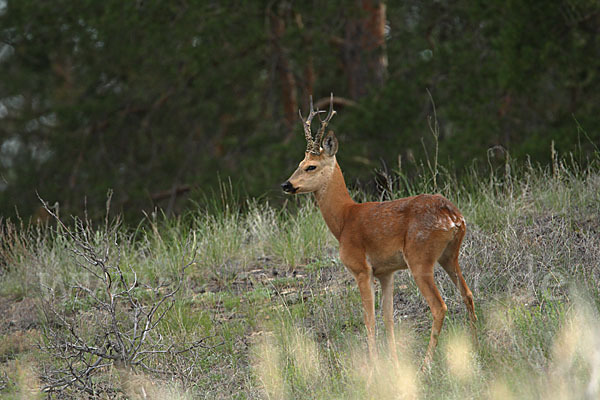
[[315, 170]]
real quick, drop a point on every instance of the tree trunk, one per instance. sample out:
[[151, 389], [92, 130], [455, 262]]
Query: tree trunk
[[283, 69], [364, 52]]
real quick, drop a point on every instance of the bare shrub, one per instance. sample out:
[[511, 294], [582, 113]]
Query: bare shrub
[[111, 320]]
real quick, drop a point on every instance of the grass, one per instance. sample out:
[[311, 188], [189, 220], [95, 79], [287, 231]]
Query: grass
[[283, 319]]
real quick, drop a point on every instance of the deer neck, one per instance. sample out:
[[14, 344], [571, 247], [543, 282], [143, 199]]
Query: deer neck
[[333, 200]]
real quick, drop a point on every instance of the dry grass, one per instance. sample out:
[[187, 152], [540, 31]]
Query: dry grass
[[282, 318], [289, 364]]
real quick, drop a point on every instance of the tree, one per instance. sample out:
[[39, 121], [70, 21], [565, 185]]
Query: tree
[[160, 100]]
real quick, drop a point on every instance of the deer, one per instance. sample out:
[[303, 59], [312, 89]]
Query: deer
[[376, 239]]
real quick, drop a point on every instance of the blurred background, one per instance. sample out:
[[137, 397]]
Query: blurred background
[[163, 100]]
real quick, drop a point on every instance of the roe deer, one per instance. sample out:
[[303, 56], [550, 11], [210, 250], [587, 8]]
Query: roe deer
[[378, 238]]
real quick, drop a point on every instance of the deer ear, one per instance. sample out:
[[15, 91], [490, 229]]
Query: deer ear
[[330, 144]]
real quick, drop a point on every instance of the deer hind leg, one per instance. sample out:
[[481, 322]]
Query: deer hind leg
[[421, 265], [437, 306], [449, 261], [387, 304]]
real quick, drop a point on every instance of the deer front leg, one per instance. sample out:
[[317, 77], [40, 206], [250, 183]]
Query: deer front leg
[[365, 286], [355, 260]]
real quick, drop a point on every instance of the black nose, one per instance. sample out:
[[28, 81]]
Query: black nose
[[288, 187]]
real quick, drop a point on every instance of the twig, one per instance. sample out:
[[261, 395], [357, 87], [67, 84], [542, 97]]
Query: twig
[[128, 325]]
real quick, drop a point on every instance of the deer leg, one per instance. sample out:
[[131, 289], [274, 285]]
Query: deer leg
[[387, 304], [365, 286], [423, 275], [449, 262], [355, 260], [421, 256], [453, 271]]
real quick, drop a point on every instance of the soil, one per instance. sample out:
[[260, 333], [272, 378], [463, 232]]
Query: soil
[[19, 315]]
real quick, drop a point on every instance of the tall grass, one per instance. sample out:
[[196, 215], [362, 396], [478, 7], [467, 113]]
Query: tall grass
[[283, 319], [524, 354]]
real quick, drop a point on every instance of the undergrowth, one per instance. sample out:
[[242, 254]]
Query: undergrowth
[[279, 317]]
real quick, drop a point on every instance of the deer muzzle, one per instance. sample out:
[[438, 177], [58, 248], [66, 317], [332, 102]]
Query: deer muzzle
[[288, 187]]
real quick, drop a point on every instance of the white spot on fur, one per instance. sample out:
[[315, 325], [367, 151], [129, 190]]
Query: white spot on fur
[[451, 222], [445, 224]]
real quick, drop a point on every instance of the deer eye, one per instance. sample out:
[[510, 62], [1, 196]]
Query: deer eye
[[310, 168]]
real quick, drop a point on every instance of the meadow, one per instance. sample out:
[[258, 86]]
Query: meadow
[[243, 300]]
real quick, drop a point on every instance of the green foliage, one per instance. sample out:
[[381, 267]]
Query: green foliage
[[150, 97], [119, 95]]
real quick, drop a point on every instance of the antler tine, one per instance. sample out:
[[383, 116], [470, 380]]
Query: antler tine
[[317, 142], [310, 144], [307, 133]]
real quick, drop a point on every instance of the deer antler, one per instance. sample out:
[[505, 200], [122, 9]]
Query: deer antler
[[306, 125], [314, 146], [324, 123]]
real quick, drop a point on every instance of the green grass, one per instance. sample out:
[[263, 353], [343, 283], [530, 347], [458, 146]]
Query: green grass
[[281, 317]]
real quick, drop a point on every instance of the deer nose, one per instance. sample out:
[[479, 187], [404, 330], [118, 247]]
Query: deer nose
[[288, 187]]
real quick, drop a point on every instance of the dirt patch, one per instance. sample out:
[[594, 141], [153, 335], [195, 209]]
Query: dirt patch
[[14, 343], [18, 316]]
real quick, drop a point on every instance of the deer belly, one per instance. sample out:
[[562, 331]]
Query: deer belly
[[382, 264]]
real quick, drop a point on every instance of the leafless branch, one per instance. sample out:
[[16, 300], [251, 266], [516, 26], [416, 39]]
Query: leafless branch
[[120, 329]]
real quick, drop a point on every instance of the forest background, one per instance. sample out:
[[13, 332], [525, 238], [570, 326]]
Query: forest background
[[161, 101]]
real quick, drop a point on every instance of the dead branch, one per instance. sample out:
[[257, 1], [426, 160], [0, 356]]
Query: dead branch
[[119, 327]]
